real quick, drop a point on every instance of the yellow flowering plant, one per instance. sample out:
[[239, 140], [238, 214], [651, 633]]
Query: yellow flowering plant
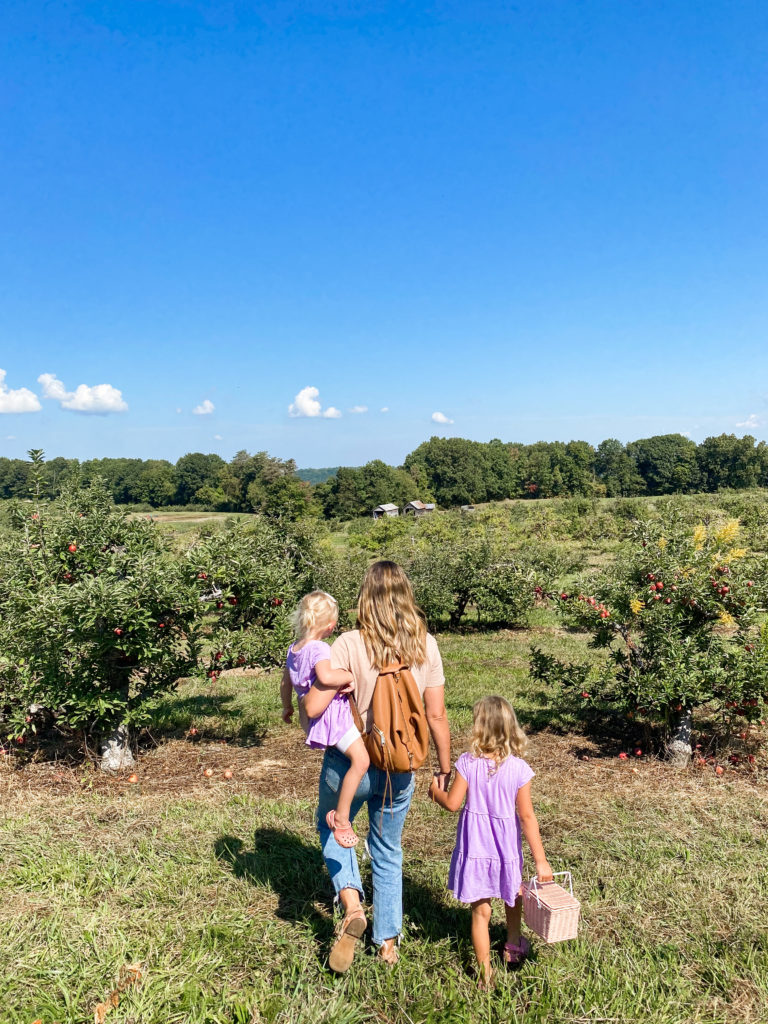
[[678, 622]]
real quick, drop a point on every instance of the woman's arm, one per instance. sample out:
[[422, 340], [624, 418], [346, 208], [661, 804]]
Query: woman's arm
[[454, 798], [437, 719], [530, 827], [328, 682], [286, 695]]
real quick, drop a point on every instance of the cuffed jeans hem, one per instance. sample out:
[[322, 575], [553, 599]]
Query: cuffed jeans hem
[[337, 895]]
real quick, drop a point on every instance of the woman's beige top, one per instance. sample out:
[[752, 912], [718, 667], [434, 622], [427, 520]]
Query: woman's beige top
[[349, 652]]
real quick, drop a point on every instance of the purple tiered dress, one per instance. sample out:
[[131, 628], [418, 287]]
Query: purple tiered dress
[[335, 722], [487, 862]]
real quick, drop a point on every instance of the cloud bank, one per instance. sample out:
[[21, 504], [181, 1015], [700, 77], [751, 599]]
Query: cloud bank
[[752, 422], [307, 403], [100, 398], [18, 399], [205, 408]]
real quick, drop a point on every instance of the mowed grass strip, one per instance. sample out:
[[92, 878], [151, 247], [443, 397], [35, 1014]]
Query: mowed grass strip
[[217, 889]]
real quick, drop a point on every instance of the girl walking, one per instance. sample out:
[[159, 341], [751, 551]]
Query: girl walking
[[487, 862], [323, 703]]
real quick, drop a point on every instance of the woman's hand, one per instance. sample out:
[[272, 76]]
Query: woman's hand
[[440, 780], [288, 714]]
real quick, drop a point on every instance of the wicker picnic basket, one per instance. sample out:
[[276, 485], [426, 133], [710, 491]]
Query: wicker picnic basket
[[551, 911]]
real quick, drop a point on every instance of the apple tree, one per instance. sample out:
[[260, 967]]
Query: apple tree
[[678, 617], [249, 578], [97, 620]]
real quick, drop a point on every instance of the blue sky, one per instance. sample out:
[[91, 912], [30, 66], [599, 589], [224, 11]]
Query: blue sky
[[546, 220]]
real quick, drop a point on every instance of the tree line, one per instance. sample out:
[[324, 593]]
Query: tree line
[[448, 471]]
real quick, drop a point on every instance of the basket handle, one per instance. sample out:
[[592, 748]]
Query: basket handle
[[535, 883]]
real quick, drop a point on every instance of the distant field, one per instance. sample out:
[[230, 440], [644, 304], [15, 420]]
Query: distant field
[[184, 522]]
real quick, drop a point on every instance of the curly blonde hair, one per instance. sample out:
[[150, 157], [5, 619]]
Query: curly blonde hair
[[391, 623], [314, 611], [496, 732]]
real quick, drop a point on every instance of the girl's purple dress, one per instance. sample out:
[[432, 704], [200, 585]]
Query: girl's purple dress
[[336, 720], [488, 859]]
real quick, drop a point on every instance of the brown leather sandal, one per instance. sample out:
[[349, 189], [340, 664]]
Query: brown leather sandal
[[390, 954], [343, 950]]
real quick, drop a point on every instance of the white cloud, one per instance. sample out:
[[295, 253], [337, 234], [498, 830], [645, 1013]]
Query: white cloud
[[10, 437], [18, 400], [178, 411], [205, 408], [440, 417], [752, 422], [307, 403], [384, 408], [100, 398], [217, 437], [358, 408]]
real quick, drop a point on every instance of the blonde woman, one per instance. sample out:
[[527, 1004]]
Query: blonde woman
[[390, 627], [487, 862]]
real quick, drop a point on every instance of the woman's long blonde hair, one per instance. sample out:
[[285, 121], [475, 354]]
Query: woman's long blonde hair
[[315, 610], [391, 623], [496, 732]]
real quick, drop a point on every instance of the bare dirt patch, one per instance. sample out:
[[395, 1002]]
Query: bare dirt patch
[[568, 767]]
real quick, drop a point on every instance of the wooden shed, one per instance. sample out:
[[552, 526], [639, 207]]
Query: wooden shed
[[386, 510], [418, 508]]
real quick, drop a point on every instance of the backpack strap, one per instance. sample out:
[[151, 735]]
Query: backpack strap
[[356, 716]]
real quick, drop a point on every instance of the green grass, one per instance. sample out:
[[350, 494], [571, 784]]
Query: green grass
[[218, 890]]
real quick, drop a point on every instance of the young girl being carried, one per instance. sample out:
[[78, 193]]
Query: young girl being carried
[[324, 708], [487, 862]]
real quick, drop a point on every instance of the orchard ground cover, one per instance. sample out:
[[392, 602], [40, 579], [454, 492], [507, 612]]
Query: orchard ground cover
[[214, 889]]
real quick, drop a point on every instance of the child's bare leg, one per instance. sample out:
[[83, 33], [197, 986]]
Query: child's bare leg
[[359, 764], [514, 914], [481, 936]]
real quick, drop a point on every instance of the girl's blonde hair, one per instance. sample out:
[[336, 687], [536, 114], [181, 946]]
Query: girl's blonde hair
[[496, 732], [391, 623], [314, 611]]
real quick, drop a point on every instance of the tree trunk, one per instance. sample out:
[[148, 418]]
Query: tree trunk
[[116, 754], [679, 748]]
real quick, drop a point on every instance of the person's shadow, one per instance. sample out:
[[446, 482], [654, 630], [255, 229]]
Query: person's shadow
[[291, 868], [295, 871]]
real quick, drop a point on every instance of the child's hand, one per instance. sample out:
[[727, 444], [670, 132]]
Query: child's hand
[[544, 872], [288, 714]]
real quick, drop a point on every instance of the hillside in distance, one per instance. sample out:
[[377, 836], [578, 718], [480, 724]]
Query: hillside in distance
[[317, 476]]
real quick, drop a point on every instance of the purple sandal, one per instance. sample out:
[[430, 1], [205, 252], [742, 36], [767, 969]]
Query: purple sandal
[[516, 952]]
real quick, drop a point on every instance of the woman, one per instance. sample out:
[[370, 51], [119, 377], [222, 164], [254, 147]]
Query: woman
[[390, 628]]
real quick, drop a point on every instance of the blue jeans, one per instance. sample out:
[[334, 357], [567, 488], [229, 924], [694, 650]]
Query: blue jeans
[[386, 828]]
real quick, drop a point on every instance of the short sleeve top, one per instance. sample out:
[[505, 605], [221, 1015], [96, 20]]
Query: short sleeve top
[[301, 664], [349, 652], [493, 790]]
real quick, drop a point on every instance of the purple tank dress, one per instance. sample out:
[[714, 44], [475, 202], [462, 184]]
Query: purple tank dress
[[336, 720], [487, 862]]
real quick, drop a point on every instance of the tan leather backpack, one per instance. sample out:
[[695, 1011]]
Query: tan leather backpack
[[399, 736]]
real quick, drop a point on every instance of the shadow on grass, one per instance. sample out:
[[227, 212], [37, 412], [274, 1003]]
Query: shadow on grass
[[290, 867], [296, 873], [174, 716]]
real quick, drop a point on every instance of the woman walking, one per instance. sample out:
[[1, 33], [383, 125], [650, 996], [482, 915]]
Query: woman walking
[[390, 628]]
